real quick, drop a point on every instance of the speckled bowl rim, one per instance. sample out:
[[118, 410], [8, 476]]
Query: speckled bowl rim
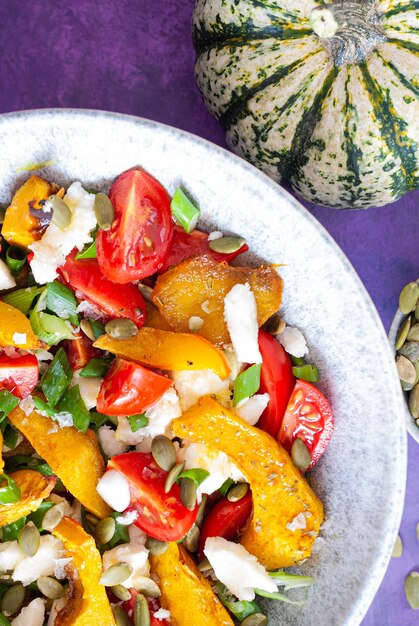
[[379, 567]]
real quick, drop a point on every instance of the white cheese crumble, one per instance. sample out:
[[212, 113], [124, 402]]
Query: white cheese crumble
[[56, 243], [109, 443], [27, 405], [238, 570], [60, 566], [293, 341], [6, 277], [195, 323], [10, 555], [216, 463], [193, 384], [89, 389], [162, 614], [215, 234], [33, 614], [240, 313], [133, 554], [252, 408], [127, 518], [29, 569], [298, 523], [19, 338], [64, 419], [136, 535], [113, 487]]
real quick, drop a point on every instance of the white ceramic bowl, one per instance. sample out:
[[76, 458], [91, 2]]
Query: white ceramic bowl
[[361, 479]]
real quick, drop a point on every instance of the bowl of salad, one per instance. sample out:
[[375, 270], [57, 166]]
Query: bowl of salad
[[192, 427]]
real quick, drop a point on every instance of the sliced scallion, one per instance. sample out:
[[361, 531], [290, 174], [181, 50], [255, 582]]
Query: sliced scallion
[[9, 491], [306, 372], [239, 608], [184, 211], [291, 581], [8, 401], [247, 383], [49, 328], [297, 360], [22, 299], [97, 327], [275, 595], [61, 301], [37, 516], [10, 531], [15, 258], [10, 434], [137, 421], [96, 368], [57, 377], [226, 486], [72, 402], [43, 406], [196, 474]]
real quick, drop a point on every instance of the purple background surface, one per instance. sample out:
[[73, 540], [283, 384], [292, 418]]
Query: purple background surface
[[136, 56]]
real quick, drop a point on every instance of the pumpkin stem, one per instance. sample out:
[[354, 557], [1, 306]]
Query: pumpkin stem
[[349, 31]]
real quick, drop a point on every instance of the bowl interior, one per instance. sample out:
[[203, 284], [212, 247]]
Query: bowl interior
[[361, 478]]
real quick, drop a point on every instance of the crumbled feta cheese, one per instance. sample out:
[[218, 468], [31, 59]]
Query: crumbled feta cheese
[[252, 408], [298, 523], [56, 243], [127, 518], [193, 384], [60, 566], [109, 443], [293, 341], [64, 419], [6, 277], [19, 338], [113, 487], [162, 614], [238, 570], [27, 405], [195, 323], [240, 313], [215, 234], [31, 568], [133, 554], [89, 389], [32, 614], [136, 535], [216, 463], [10, 555]]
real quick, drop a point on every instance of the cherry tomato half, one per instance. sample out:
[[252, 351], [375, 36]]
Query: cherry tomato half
[[276, 379], [195, 243], [308, 417], [19, 374], [161, 515], [114, 300], [139, 239], [225, 519], [80, 351], [129, 388]]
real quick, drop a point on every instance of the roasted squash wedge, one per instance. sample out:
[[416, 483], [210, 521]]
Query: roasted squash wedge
[[34, 487], [198, 286], [16, 330], [286, 512], [185, 592]]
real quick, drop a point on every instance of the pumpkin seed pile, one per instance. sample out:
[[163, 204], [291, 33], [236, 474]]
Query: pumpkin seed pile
[[407, 346]]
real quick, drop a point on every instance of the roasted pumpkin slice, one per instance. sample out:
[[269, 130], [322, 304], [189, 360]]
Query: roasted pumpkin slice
[[34, 487], [286, 512], [94, 607], [16, 330], [21, 225], [198, 286], [154, 319], [185, 592], [73, 456]]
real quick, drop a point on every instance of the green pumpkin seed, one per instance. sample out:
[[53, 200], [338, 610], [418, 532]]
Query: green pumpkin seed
[[121, 618], [257, 619], [188, 493], [156, 547], [87, 329], [191, 540], [201, 511], [406, 370], [147, 586], [145, 291], [409, 298], [13, 599], [121, 592], [92, 519], [402, 334], [300, 455], [105, 530], [50, 588], [275, 325], [411, 588], [226, 245], [141, 611], [29, 539], [413, 333], [121, 328], [398, 548], [53, 517], [414, 401], [172, 476], [410, 350], [104, 211], [204, 565], [417, 313], [164, 452], [116, 574], [238, 492], [61, 212]]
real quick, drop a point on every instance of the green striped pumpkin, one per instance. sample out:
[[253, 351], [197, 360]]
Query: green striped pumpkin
[[320, 95]]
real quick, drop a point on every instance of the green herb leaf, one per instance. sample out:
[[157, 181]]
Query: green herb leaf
[[306, 372], [97, 327], [196, 474], [184, 211], [10, 435], [11, 531], [137, 421], [275, 595], [98, 419], [291, 581], [96, 368], [57, 377], [61, 301], [22, 299], [15, 258], [72, 402], [37, 516], [239, 608], [247, 383], [89, 251], [297, 360], [43, 406], [8, 401], [226, 486], [9, 491]]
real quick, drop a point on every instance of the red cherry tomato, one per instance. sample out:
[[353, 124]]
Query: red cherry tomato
[[19, 374], [195, 243], [153, 604], [225, 519], [308, 417], [139, 240], [129, 388], [80, 351], [85, 277], [276, 379], [161, 515]]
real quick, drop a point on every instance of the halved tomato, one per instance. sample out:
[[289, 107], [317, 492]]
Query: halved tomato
[[139, 239], [80, 350], [19, 374]]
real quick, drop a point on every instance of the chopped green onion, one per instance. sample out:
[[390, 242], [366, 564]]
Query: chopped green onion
[[226, 486], [10, 492], [61, 301], [137, 421], [11, 531], [72, 403], [3, 620], [98, 419], [22, 299], [239, 608], [184, 211], [297, 360], [30, 167], [57, 377], [8, 401], [89, 251], [306, 372], [15, 258], [96, 368], [37, 517], [121, 534], [43, 406], [291, 581], [97, 327], [275, 595], [10, 434], [247, 383], [49, 328], [196, 474]]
